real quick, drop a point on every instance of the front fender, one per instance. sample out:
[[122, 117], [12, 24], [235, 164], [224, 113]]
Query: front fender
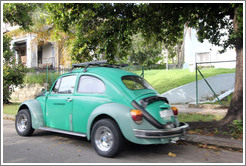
[[36, 112]]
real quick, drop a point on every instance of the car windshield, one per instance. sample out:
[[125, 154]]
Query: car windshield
[[135, 83]]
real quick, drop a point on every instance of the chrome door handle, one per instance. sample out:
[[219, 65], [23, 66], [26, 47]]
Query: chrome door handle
[[68, 100]]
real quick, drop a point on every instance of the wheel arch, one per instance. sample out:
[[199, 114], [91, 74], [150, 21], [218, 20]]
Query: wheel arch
[[23, 106], [117, 112], [102, 116], [36, 112]]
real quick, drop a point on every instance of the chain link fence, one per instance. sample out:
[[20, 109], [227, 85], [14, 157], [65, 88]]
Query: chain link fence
[[43, 77], [46, 76], [215, 89]]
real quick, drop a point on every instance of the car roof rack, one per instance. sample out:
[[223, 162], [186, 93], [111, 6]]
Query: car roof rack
[[101, 63]]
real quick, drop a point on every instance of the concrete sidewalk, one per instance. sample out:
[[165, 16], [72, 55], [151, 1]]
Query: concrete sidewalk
[[209, 109]]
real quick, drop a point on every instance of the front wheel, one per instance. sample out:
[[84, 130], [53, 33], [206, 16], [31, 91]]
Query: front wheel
[[106, 138], [23, 123]]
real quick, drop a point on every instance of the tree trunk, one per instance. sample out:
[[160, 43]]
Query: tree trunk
[[178, 55], [174, 64], [235, 111]]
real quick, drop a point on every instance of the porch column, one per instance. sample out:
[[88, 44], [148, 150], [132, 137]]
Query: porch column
[[28, 53], [57, 55], [34, 55]]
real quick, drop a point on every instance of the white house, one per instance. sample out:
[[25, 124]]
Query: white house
[[33, 54], [195, 51]]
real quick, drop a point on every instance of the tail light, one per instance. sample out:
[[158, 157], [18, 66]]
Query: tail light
[[175, 110], [137, 116]]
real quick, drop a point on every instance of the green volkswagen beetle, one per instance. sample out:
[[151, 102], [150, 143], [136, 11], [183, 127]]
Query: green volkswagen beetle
[[106, 105]]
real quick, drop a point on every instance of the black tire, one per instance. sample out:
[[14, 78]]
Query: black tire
[[106, 138], [23, 123]]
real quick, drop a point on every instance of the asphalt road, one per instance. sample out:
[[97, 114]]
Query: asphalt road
[[48, 147]]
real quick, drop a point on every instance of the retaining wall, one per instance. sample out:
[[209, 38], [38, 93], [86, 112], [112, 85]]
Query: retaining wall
[[29, 91], [187, 93]]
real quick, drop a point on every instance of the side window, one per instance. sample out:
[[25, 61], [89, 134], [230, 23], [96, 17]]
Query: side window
[[90, 84], [65, 85], [56, 87]]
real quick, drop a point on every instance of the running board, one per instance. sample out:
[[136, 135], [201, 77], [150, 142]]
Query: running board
[[63, 131]]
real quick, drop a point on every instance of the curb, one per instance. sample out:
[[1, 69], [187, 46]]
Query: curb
[[225, 143]]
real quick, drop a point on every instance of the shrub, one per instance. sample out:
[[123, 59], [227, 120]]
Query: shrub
[[13, 73], [40, 77], [236, 128]]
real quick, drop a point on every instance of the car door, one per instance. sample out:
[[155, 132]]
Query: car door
[[59, 103], [89, 94]]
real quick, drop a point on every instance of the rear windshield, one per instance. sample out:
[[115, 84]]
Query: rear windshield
[[135, 82]]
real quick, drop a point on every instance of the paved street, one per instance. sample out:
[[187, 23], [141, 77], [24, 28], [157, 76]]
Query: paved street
[[47, 147]]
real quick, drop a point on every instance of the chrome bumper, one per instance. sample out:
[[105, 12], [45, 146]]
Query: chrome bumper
[[162, 133]]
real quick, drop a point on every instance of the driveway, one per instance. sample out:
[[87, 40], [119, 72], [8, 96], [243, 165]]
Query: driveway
[[48, 147]]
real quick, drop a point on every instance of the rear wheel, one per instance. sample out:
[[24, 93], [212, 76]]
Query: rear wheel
[[106, 138], [23, 124]]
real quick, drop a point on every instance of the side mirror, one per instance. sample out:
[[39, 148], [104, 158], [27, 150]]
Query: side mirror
[[43, 89]]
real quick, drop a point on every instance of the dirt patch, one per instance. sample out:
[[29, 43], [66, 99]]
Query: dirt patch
[[9, 118], [214, 129]]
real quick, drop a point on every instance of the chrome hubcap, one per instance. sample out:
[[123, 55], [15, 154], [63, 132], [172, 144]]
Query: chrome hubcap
[[103, 138], [22, 123]]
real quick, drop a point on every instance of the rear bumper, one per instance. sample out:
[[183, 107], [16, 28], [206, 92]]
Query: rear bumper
[[162, 133]]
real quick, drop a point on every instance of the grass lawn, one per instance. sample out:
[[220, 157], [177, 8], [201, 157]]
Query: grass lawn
[[165, 80], [10, 108]]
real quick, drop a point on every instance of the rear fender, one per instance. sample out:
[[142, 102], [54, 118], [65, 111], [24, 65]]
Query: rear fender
[[122, 116], [119, 112], [36, 112]]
